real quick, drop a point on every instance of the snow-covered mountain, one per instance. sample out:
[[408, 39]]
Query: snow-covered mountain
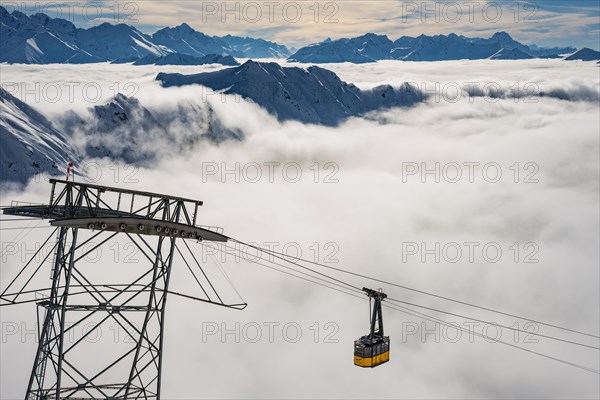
[[514, 54], [30, 143], [185, 40], [123, 129], [550, 52], [118, 129], [110, 42], [584, 54], [371, 47], [39, 39], [255, 48], [312, 95], [186, 59], [362, 49]]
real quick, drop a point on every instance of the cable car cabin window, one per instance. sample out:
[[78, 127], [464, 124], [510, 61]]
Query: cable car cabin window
[[358, 349], [372, 353]]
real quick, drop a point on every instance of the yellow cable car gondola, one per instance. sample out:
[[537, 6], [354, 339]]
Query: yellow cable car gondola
[[373, 349]]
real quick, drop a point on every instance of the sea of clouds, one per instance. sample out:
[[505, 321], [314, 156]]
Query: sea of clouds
[[516, 172]]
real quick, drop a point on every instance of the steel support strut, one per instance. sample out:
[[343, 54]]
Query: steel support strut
[[63, 368], [377, 316]]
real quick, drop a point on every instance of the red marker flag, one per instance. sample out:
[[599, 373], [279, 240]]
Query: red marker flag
[[70, 170]]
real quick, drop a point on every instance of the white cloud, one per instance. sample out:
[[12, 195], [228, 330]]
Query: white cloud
[[368, 214]]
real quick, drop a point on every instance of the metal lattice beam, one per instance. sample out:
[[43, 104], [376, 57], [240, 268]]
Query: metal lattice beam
[[57, 372]]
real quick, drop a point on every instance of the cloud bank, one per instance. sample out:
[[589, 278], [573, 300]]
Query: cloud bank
[[529, 185]]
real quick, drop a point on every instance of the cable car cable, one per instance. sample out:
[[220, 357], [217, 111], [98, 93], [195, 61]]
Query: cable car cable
[[299, 272], [25, 227], [445, 312], [274, 254], [428, 293], [224, 273], [493, 323], [18, 219], [434, 319], [300, 277]]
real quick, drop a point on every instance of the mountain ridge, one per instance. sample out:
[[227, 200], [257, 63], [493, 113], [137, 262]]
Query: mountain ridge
[[40, 39], [312, 95], [585, 54], [371, 47]]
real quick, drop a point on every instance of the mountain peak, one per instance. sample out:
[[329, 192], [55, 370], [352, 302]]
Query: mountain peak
[[121, 99], [252, 63], [313, 95], [40, 18], [585, 54], [260, 67], [512, 54], [372, 47], [374, 36], [184, 27], [501, 36], [19, 15]]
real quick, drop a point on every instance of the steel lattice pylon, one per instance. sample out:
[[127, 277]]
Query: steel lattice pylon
[[154, 223]]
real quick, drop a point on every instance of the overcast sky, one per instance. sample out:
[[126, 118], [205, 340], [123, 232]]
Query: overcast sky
[[298, 23]]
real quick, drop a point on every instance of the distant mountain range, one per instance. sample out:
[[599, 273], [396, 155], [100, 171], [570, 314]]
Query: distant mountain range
[[39, 39], [256, 48], [179, 59], [512, 54], [585, 54], [372, 47], [313, 95]]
